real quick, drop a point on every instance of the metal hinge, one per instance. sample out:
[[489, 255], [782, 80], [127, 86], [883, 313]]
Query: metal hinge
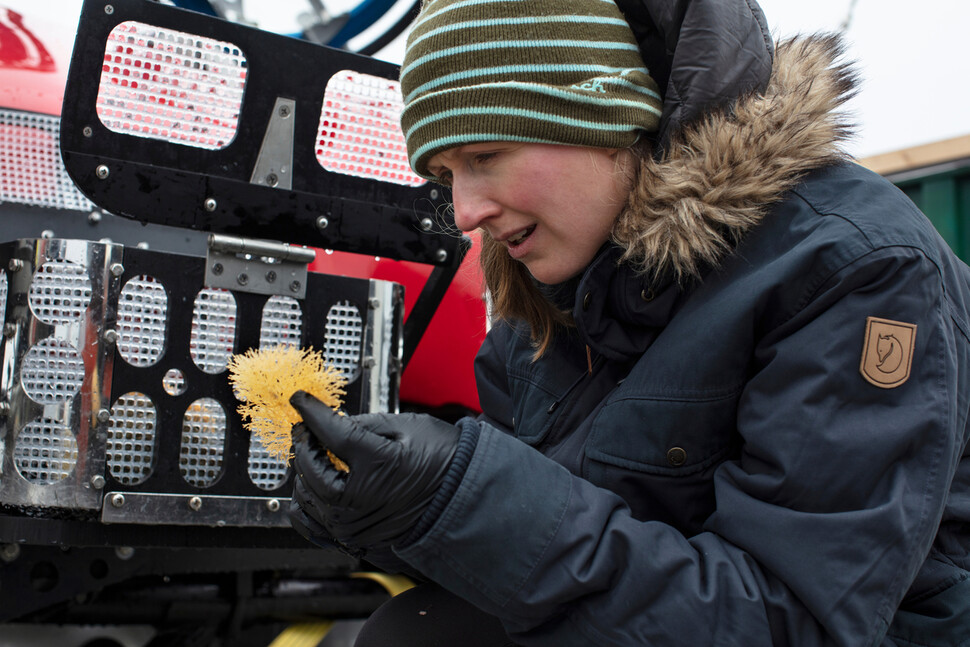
[[257, 266]]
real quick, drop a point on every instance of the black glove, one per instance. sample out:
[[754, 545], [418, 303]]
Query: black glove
[[397, 463]]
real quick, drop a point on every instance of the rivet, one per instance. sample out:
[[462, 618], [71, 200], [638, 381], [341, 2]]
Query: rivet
[[97, 482], [195, 503], [117, 500], [94, 217], [15, 265], [434, 194], [273, 505], [47, 234], [323, 222], [102, 172], [116, 269], [104, 415], [426, 224], [647, 295], [676, 456], [588, 299], [441, 255], [210, 204]]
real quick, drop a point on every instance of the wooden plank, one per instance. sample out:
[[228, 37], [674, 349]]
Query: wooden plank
[[919, 156]]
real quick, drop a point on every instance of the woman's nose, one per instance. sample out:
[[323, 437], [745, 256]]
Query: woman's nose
[[472, 205]]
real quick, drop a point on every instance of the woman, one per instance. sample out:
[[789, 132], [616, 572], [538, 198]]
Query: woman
[[725, 402]]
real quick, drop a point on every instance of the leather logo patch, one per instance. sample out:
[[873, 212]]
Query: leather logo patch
[[887, 355]]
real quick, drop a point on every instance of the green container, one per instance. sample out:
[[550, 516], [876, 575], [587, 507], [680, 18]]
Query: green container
[[942, 192]]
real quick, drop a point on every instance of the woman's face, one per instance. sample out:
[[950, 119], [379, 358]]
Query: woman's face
[[551, 206]]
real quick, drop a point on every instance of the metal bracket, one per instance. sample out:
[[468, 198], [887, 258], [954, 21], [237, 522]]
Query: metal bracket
[[257, 266], [194, 510], [274, 166]]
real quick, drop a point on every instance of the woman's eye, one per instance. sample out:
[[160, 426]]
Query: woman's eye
[[481, 158], [444, 178]]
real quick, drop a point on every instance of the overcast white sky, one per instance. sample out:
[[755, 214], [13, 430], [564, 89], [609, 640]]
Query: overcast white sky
[[913, 56]]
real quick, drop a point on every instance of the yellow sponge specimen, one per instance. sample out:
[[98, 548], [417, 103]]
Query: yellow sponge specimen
[[265, 379]]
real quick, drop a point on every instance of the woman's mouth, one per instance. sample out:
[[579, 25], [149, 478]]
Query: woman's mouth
[[516, 240]]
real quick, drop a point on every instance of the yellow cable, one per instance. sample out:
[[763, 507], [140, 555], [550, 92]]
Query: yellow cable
[[393, 584], [306, 634]]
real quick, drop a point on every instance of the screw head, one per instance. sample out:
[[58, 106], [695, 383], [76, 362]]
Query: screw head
[[373, 303], [284, 111], [426, 224], [94, 217], [434, 194], [102, 172], [117, 500], [272, 179], [295, 286], [273, 505], [323, 222], [271, 277], [441, 255], [104, 415], [210, 204], [195, 503], [87, 131], [108, 9], [242, 279], [217, 268]]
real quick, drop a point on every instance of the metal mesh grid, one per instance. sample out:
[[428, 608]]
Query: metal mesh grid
[[142, 313], [213, 329], [203, 442], [173, 382], [131, 438], [282, 323], [267, 472], [359, 133], [52, 371], [31, 170], [172, 86], [344, 338], [45, 451], [60, 292]]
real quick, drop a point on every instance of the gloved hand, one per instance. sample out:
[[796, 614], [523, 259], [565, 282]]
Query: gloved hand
[[397, 463]]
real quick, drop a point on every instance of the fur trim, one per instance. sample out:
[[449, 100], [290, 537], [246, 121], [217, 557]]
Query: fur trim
[[719, 177]]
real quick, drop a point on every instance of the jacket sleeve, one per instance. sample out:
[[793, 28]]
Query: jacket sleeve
[[820, 526], [704, 54]]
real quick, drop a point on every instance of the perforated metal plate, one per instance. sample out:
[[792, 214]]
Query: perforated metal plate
[[45, 452], [60, 292], [173, 382], [142, 314], [282, 323], [31, 170], [344, 339], [203, 442], [360, 129], [130, 450], [213, 329], [172, 86], [265, 471], [52, 371]]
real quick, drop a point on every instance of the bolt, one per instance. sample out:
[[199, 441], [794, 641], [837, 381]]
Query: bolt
[[322, 223], [426, 224], [104, 415], [295, 286], [111, 337], [9, 329], [210, 204], [142, 245], [273, 505], [97, 482], [370, 362], [86, 131], [271, 277], [217, 269], [117, 500], [124, 553], [284, 111], [373, 303], [272, 180], [441, 255], [434, 194], [15, 265], [242, 279], [116, 269], [94, 217], [47, 234], [9, 552], [195, 503], [102, 172], [108, 9]]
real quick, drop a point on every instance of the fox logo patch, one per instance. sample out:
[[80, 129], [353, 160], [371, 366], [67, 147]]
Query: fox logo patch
[[887, 354]]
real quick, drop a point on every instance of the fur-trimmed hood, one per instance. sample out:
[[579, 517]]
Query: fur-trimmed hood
[[717, 178]]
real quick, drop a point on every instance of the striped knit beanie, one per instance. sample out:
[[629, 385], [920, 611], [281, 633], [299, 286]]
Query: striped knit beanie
[[543, 71]]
